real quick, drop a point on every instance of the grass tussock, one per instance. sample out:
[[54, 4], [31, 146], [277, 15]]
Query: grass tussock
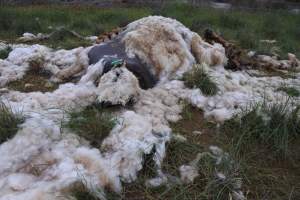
[[218, 174], [199, 78], [290, 91], [222, 177], [9, 122], [179, 153], [79, 191], [273, 126], [5, 52], [93, 124]]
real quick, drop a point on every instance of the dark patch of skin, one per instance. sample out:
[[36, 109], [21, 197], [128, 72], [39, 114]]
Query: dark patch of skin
[[115, 49]]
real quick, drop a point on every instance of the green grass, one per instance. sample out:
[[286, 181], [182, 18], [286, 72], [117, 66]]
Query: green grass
[[83, 194], [247, 28], [220, 187], [178, 153], [9, 122], [5, 52], [14, 21], [93, 123], [290, 91], [206, 186], [273, 126], [199, 78], [264, 172], [79, 191], [264, 139]]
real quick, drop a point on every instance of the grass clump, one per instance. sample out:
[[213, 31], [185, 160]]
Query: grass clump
[[218, 174], [273, 126], [93, 123], [199, 78], [222, 176], [83, 194], [5, 52], [79, 191], [35, 79], [179, 153], [9, 122], [290, 91]]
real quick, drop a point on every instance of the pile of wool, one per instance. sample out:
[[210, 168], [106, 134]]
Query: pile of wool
[[170, 47], [44, 159]]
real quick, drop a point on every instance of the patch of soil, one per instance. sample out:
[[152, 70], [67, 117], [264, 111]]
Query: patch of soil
[[195, 128], [33, 80]]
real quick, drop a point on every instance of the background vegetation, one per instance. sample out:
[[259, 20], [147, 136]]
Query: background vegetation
[[247, 28]]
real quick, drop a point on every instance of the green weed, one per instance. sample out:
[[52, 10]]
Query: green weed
[[5, 52], [79, 191], [199, 78], [93, 123], [9, 122], [290, 91]]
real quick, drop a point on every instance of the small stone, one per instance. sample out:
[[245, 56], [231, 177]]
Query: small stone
[[28, 85], [48, 85], [221, 176], [179, 138], [188, 173], [251, 53], [197, 132], [216, 150], [3, 90]]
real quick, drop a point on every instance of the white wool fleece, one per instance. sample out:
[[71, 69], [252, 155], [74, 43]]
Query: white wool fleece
[[169, 46], [118, 86]]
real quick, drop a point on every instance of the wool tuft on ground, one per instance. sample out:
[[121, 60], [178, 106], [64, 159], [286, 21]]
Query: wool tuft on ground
[[44, 159]]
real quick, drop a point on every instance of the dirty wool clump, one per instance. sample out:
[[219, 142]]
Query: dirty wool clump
[[170, 47], [45, 159]]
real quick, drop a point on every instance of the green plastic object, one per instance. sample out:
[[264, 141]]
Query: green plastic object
[[117, 63]]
